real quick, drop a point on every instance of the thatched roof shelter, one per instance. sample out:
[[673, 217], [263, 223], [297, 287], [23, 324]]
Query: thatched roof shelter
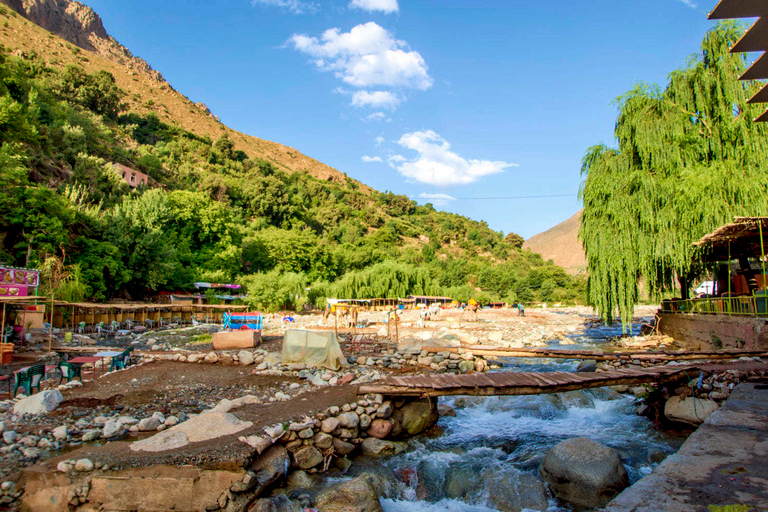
[[745, 236]]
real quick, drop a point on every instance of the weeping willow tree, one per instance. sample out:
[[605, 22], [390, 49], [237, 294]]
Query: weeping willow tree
[[386, 279], [689, 159]]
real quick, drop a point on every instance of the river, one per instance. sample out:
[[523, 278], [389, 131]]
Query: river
[[488, 455]]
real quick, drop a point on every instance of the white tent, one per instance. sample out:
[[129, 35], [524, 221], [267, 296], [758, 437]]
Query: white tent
[[313, 348]]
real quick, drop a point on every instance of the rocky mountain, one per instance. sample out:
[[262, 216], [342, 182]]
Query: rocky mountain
[[561, 245], [89, 45]]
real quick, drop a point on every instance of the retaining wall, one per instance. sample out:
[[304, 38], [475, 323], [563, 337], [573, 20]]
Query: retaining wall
[[713, 332]]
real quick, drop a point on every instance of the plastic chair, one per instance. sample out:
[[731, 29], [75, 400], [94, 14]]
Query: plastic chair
[[81, 328], [22, 381], [118, 362], [69, 371], [128, 354], [7, 334]]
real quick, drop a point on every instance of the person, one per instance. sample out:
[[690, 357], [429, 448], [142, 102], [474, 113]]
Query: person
[[472, 302], [520, 309]]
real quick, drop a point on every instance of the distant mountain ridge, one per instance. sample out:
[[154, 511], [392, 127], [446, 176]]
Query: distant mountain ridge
[[147, 90], [561, 245]]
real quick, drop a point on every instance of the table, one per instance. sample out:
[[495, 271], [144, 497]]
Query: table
[[87, 359]]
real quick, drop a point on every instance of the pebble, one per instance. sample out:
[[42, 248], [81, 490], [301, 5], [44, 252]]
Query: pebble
[[84, 465]]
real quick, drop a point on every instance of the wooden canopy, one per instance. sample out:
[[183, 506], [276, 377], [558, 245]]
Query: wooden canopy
[[754, 40], [742, 237]]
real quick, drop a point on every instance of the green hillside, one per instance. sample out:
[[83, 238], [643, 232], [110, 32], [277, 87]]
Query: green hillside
[[215, 213]]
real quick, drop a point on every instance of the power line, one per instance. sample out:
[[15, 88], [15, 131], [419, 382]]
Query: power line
[[510, 197]]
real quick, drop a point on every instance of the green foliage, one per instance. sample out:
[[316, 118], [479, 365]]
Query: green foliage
[[214, 214], [689, 158], [514, 240]]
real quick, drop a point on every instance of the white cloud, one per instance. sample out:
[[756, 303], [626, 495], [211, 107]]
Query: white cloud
[[371, 159], [375, 99], [437, 199], [438, 165], [379, 140], [395, 159], [691, 4], [377, 116], [366, 56], [294, 6], [386, 6]]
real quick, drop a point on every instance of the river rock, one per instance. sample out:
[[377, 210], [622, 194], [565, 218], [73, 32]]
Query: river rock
[[113, 429], [149, 424], [379, 448], [41, 403], [588, 365], [91, 435], [446, 410], [342, 447], [513, 493], [61, 433], [380, 429], [356, 495], [348, 419], [84, 465], [466, 366], [245, 357], [10, 436], [689, 410], [211, 358], [307, 457], [584, 473], [328, 425], [269, 467], [323, 441], [418, 416]]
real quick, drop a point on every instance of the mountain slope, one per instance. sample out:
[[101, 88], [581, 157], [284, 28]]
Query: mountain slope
[[82, 40], [561, 245]]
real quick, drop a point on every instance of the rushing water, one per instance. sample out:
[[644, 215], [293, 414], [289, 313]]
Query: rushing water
[[493, 447]]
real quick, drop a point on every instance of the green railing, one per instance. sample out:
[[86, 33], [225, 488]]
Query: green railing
[[756, 306]]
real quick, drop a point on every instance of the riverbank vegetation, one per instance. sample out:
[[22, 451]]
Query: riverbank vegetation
[[689, 158], [212, 213]]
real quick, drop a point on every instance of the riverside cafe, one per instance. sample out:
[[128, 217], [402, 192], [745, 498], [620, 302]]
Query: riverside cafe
[[735, 253], [21, 307]]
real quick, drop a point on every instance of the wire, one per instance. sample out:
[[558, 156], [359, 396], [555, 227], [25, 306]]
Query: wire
[[510, 197]]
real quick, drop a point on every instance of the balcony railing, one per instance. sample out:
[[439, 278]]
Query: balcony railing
[[755, 306]]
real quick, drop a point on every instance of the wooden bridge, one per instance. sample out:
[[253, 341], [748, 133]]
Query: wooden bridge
[[603, 355], [519, 383]]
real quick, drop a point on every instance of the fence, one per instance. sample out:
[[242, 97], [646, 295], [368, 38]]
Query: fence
[[755, 306]]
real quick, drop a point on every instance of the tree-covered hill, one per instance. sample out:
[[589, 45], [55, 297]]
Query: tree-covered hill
[[215, 213]]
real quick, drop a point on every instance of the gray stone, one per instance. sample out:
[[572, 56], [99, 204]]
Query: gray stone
[[84, 465], [41, 403], [91, 435], [127, 420], [385, 410], [466, 366], [10, 436], [113, 429], [587, 365], [356, 495], [689, 410], [269, 468], [516, 492], [328, 425], [418, 416], [379, 448], [342, 447], [149, 424], [349, 419], [584, 473], [245, 357], [323, 441], [61, 433], [307, 457]]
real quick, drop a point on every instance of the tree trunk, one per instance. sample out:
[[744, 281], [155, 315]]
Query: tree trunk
[[684, 292]]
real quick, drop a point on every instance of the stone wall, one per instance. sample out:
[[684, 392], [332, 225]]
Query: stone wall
[[713, 332]]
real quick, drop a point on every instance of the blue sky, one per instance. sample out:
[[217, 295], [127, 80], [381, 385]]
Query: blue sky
[[461, 98]]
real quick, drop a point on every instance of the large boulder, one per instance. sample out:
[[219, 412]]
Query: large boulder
[[41, 403], [584, 473], [245, 357], [419, 416], [356, 495], [380, 429], [689, 410], [270, 467]]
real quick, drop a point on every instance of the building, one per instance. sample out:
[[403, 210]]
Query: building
[[130, 176], [735, 314]]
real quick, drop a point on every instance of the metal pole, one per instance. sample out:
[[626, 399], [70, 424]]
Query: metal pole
[[762, 260], [50, 331], [730, 301], [2, 329]]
